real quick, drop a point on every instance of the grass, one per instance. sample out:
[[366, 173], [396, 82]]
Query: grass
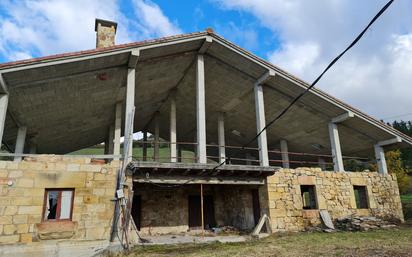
[[395, 242], [406, 198], [407, 207]]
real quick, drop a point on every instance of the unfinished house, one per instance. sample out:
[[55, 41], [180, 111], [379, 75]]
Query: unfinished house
[[197, 101]]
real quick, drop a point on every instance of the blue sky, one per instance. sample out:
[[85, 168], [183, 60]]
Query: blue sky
[[299, 36]]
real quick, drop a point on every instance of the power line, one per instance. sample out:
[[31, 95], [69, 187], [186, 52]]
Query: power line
[[324, 71]]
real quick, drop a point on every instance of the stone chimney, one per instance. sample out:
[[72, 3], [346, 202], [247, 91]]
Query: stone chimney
[[105, 33]]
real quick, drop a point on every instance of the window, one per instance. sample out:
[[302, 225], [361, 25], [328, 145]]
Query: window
[[58, 204], [308, 197], [361, 197]]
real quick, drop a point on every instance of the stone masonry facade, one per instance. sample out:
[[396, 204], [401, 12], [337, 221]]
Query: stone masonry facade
[[166, 210], [23, 185], [334, 193], [22, 194]]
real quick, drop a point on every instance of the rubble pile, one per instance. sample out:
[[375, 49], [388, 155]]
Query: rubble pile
[[355, 223]]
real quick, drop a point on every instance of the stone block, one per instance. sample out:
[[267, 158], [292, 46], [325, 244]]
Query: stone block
[[22, 228], [10, 210], [60, 179], [73, 167], [9, 229], [358, 181], [6, 220], [26, 238], [22, 201], [56, 230], [35, 218], [90, 167], [307, 180], [95, 233], [99, 191], [90, 199], [24, 182], [30, 210], [277, 213], [100, 176], [9, 239], [3, 164], [20, 219], [15, 174]]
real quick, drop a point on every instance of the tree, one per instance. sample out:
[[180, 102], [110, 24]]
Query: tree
[[395, 166], [406, 154]]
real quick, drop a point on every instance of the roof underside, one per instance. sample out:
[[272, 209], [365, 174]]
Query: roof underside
[[70, 105]]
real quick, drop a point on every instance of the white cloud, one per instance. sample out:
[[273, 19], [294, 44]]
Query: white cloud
[[152, 22], [37, 28], [375, 76]]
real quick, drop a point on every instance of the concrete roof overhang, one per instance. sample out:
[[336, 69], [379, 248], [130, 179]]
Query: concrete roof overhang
[[67, 101]]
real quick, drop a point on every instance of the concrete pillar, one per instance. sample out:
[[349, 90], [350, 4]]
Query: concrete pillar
[[117, 129], [335, 147], [32, 148], [21, 139], [380, 158], [322, 163], [249, 159], [201, 110], [260, 124], [156, 138], [110, 140], [4, 99], [221, 137], [144, 146], [129, 114], [179, 153], [285, 155], [173, 145]]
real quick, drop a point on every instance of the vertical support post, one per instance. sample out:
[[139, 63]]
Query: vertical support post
[[201, 110], [33, 148], [380, 158], [117, 129], [249, 158], [110, 140], [179, 153], [21, 139], [335, 146], [285, 155], [130, 104], [4, 99], [201, 210], [221, 137], [260, 124], [322, 163], [173, 146], [144, 145], [156, 138]]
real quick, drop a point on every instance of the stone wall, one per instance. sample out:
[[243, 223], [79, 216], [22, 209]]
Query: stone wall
[[22, 191], [105, 36], [165, 210], [334, 192]]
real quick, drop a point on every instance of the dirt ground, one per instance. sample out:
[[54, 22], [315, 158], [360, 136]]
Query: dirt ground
[[393, 242]]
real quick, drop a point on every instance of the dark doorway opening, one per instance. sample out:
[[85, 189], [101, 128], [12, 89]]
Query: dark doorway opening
[[195, 217], [137, 210], [256, 205]]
